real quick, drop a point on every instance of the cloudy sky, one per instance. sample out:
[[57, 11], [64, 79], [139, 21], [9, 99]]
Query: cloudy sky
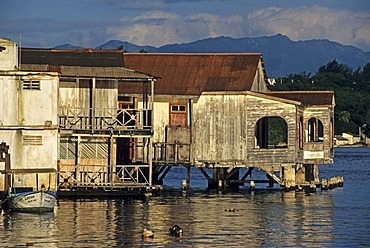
[[89, 23]]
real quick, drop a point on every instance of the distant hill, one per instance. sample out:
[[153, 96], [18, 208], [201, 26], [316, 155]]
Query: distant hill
[[126, 46], [66, 46], [281, 55]]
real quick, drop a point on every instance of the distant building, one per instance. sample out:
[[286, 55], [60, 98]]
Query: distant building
[[340, 141], [352, 139]]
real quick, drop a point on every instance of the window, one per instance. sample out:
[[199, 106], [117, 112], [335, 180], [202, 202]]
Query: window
[[271, 132], [315, 130], [178, 114], [178, 108], [32, 140], [300, 132], [31, 85], [127, 113]]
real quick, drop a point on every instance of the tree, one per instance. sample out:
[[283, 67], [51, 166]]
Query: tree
[[344, 117], [351, 88]]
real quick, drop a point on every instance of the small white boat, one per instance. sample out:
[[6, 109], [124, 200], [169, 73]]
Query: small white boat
[[40, 197], [34, 201]]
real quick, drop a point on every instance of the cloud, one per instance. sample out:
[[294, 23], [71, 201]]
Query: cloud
[[300, 23], [315, 22], [130, 4], [154, 26], [158, 28], [48, 32]]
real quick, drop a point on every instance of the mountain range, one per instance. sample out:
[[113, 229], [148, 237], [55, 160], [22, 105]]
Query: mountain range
[[281, 55]]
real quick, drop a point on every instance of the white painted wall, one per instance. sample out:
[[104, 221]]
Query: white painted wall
[[38, 106], [28, 117], [9, 56], [8, 101]]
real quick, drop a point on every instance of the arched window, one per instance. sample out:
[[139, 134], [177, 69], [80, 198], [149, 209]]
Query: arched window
[[300, 132], [271, 132], [315, 130]]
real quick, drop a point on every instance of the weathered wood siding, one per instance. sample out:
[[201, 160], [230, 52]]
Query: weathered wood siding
[[259, 84], [106, 94], [319, 152], [219, 123], [178, 143], [257, 108], [77, 95], [161, 120]]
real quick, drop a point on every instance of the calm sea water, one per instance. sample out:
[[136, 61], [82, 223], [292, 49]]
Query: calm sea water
[[265, 218]]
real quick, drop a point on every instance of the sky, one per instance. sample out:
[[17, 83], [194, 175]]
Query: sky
[[90, 23]]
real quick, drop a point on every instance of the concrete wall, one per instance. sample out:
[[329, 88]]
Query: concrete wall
[[9, 56], [28, 117]]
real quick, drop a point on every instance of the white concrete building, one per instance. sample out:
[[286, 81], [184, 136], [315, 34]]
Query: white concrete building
[[28, 113]]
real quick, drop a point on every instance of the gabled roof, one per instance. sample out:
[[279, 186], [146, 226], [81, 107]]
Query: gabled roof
[[192, 74], [74, 57], [307, 98]]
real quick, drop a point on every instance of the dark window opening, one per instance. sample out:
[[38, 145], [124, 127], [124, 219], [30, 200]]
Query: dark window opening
[[315, 130], [300, 132], [178, 108], [271, 132]]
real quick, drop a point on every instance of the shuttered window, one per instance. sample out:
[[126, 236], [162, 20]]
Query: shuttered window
[[31, 85], [32, 140]]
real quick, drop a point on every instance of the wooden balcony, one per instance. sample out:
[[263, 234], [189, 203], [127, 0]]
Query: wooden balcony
[[105, 120], [171, 153]]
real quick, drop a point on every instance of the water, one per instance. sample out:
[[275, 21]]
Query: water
[[265, 218]]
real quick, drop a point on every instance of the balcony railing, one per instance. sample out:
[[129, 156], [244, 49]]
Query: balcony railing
[[104, 119], [171, 153]]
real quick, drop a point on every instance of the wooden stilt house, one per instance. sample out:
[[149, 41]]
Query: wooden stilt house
[[214, 110], [104, 143]]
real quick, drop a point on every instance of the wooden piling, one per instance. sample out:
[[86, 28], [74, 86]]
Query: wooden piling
[[252, 186]]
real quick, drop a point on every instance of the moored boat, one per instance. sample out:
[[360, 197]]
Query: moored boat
[[40, 197]]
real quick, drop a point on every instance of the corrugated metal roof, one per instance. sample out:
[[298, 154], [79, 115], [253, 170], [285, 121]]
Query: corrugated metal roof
[[308, 98], [192, 74], [98, 72], [74, 57]]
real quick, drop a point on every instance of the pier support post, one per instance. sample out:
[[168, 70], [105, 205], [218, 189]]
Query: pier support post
[[188, 179], [252, 186], [271, 180], [224, 178], [289, 179], [300, 175]]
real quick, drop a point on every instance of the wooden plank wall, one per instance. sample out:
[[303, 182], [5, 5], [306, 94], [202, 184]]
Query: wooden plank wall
[[220, 128], [258, 107], [324, 115]]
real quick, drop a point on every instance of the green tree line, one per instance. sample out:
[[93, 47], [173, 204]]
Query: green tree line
[[352, 93]]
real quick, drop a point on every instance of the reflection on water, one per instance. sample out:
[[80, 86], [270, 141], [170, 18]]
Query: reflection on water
[[265, 218], [262, 219], [22, 228]]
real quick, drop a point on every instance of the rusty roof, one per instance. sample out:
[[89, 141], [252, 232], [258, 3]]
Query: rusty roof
[[308, 98], [73, 57], [192, 74]]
